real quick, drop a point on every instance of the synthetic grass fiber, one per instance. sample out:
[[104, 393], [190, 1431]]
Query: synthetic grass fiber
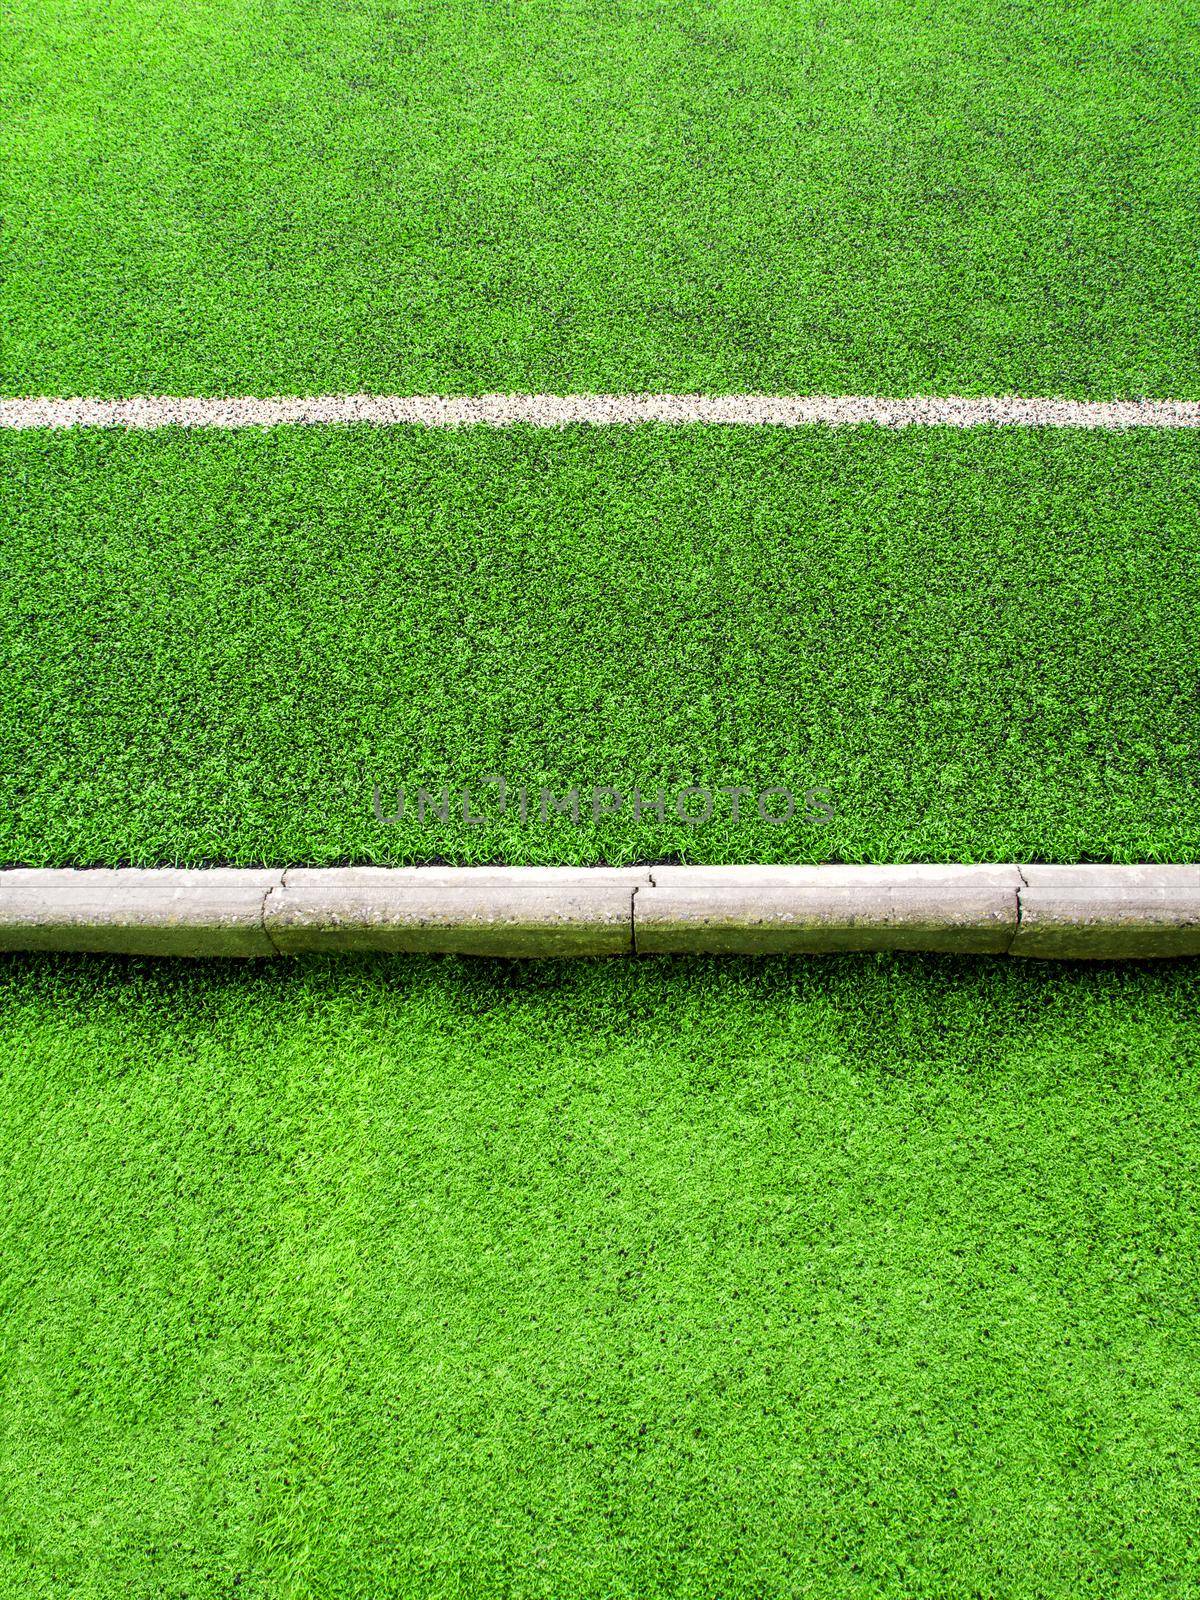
[[378, 1278], [979, 645], [869, 1277], [250, 197]]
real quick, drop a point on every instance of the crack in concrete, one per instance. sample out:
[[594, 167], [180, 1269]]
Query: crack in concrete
[[262, 911], [649, 884], [1022, 885]]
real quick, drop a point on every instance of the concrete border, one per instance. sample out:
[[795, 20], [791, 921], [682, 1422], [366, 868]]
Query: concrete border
[[478, 911], [1047, 912], [808, 910], [137, 911], [1076, 912]]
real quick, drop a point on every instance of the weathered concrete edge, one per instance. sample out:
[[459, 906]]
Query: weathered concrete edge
[[1045, 912], [216, 911], [502, 911], [1107, 913], [751, 910]]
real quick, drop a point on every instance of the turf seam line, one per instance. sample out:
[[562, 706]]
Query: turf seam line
[[560, 411], [1101, 912]]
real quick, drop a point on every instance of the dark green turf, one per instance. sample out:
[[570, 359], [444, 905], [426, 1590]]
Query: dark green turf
[[982, 644], [866, 1277], [602, 194]]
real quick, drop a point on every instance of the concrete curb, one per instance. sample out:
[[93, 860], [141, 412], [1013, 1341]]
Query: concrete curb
[[478, 911], [1073, 912], [780, 910], [217, 911], [1081, 912]]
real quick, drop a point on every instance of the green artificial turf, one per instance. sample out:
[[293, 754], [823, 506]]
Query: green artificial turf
[[407, 195], [855, 1278], [865, 1277], [981, 644]]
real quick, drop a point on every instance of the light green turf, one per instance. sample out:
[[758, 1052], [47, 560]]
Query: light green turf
[[871, 1277], [982, 644], [830, 195]]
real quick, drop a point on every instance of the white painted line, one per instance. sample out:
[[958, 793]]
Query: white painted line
[[1093, 912], [559, 411]]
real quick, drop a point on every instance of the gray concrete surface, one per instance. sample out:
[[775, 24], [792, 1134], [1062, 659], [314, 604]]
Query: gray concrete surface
[[1048, 912], [213, 911], [1109, 913], [503, 911], [779, 910]]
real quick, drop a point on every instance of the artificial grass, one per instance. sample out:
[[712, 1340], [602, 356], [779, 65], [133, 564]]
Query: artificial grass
[[408, 196], [981, 644], [869, 1277]]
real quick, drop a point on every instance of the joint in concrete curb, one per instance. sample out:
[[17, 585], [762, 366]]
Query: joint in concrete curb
[[796, 910], [1022, 886], [496, 911], [1108, 913], [264, 919]]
